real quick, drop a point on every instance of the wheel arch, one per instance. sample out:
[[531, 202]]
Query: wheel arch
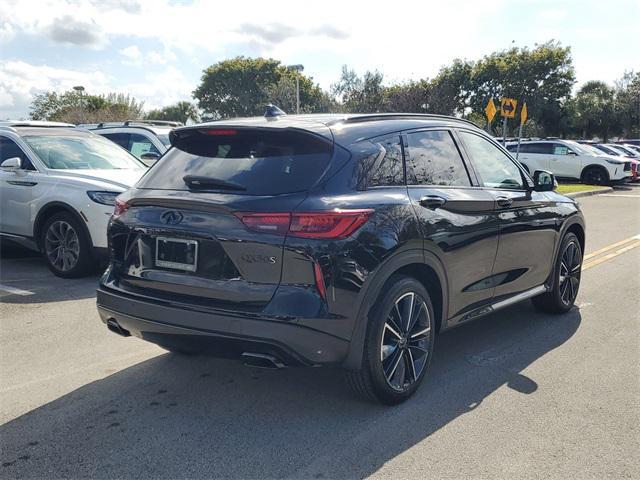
[[424, 267], [50, 209], [595, 165]]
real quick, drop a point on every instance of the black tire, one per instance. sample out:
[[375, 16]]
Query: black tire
[[65, 246], [561, 297], [595, 176], [396, 357]]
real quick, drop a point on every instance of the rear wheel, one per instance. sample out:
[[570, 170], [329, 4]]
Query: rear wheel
[[566, 278], [595, 176], [66, 248], [398, 344]]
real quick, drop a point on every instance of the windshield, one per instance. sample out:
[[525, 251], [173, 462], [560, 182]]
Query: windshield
[[164, 138], [585, 149], [80, 152]]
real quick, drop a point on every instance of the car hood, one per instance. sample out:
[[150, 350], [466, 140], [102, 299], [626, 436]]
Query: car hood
[[123, 178]]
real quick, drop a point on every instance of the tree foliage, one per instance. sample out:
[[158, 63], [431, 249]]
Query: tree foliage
[[178, 112], [74, 107], [243, 86]]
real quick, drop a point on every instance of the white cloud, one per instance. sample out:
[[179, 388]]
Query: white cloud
[[132, 52], [20, 82]]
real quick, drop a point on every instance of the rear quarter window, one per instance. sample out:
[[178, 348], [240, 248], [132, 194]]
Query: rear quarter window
[[260, 161]]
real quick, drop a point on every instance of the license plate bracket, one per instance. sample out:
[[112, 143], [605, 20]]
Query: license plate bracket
[[176, 253]]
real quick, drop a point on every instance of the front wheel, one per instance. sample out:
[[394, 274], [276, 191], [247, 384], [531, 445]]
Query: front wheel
[[66, 248], [398, 343], [566, 278], [595, 176]]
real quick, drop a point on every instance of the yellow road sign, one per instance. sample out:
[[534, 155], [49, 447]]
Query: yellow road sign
[[508, 107], [490, 110], [523, 114]]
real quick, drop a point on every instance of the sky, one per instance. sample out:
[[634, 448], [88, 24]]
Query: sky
[[156, 50]]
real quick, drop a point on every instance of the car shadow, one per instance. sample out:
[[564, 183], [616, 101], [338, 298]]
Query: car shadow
[[175, 416], [27, 271]]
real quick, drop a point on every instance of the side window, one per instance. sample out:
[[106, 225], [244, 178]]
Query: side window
[[384, 167], [139, 144], [434, 160], [10, 149], [495, 168], [559, 149], [541, 148], [121, 139]]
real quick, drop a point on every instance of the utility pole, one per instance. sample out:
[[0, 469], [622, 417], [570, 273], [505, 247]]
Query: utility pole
[[80, 90], [298, 68]]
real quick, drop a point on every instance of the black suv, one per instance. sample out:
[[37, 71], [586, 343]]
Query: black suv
[[335, 240]]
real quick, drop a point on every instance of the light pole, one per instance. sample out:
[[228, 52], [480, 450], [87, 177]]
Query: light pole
[[298, 68], [80, 89]]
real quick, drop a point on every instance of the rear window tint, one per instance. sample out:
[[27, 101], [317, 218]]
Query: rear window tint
[[261, 162]]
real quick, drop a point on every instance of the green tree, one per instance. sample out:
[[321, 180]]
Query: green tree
[[543, 77], [364, 94], [595, 110], [178, 112], [628, 104], [73, 107], [243, 86]]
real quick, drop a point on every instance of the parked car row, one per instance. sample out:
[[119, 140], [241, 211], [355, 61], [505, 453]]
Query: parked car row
[[571, 160], [148, 140]]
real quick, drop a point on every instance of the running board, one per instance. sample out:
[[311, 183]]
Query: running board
[[482, 311]]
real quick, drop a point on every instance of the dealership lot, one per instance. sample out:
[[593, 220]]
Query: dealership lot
[[518, 394]]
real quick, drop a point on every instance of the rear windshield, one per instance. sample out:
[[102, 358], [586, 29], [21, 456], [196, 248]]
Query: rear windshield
[[252, 162]]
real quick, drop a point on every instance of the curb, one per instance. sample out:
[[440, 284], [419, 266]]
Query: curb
[[588, 193]]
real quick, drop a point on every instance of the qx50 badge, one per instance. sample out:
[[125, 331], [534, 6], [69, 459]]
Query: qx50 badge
[[253, 258], [171, 217]]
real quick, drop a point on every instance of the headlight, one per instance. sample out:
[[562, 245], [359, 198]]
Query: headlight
[[105, 198], [613, 162]]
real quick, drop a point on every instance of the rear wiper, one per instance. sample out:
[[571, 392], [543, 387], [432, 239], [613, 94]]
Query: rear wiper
[[201, 182]]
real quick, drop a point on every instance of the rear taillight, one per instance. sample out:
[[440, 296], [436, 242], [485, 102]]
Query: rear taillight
[[328, 224], [119, 208]]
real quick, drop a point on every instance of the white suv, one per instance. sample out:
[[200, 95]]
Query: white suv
[[568, 159], [58, 186], [146, 139]]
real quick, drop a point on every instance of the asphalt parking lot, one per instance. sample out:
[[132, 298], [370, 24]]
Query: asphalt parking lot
[[515, 395]]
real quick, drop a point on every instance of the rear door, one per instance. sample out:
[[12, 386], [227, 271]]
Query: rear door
[[457, 219], [207, 223], [527, 218], [565, 162]]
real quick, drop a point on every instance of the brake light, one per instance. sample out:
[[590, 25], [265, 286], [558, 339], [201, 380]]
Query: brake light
[[219, 131], [327, 224], [120, 207]]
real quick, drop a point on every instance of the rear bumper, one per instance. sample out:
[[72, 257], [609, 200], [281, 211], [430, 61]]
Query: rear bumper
[[222, 335]]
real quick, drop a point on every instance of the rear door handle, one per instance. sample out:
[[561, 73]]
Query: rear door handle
[[504, 202], [432, 201]]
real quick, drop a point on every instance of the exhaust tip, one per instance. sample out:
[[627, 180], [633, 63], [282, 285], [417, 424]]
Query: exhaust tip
[[115, 327], [261, 360]]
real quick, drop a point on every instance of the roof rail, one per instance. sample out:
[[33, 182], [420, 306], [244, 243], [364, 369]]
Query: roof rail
[[368, 117], [35, 123], [166, 123]]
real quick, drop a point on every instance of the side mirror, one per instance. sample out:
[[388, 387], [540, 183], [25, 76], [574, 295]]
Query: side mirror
[[150, 156], [543, 181], [13, 163]]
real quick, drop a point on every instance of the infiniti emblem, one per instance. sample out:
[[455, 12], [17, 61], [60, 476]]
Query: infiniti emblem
[[171, 217]]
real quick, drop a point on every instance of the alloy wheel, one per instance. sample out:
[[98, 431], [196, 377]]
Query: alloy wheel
[[570, 269], [62, 245], [404, 348]]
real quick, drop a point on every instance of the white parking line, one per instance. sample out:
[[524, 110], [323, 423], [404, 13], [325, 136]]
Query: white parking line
[[14, 290], [619, 195]]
